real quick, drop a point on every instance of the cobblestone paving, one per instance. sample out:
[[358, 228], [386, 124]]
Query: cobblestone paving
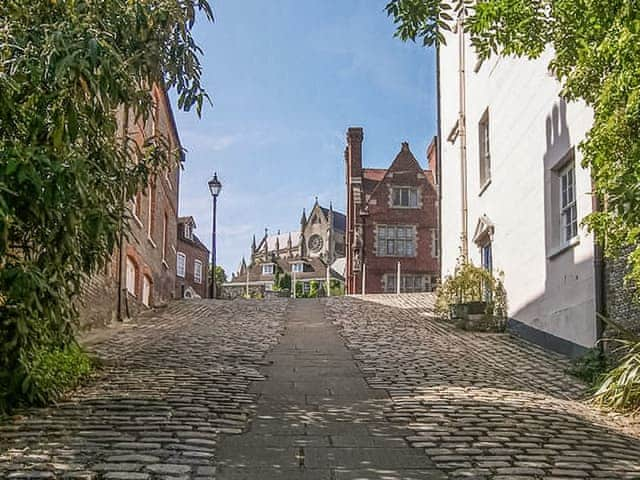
[[483, 406], [175, 382]]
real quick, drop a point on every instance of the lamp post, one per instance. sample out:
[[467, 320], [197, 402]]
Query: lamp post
[[214, 187]]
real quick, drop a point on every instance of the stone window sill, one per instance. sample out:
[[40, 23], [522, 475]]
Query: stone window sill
[[563, 248]]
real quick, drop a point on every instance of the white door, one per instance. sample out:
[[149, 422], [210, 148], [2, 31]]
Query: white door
[[146, 290]]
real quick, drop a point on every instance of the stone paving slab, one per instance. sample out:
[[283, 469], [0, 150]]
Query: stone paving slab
[[482, 406], [176, 380], [316, 416]]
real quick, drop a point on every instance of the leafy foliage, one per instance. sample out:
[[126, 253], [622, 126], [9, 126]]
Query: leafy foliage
[[282, 282], [596, 47], [471, 284], [53, 372], [337, 288], [73, 74], [620, 388], [590, 367], [220, 278], [314, 289]]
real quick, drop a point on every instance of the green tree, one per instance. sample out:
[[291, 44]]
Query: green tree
[[72, 73], [314, 289], [283, 281], [220, 276], [596, 47]]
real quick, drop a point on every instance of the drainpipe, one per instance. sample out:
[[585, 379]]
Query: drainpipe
[[462, 132], [439, 161], [123, 199]]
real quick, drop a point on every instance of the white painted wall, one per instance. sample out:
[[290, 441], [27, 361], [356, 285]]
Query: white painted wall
[[551, 293]]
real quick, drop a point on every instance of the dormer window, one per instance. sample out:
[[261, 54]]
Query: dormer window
[[405, 197], [188, 231], [268, 269], [297, 267]]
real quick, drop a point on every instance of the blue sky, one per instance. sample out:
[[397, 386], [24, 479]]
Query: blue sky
[[287, 78]]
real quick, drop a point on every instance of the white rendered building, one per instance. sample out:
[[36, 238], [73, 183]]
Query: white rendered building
[[526, 191]]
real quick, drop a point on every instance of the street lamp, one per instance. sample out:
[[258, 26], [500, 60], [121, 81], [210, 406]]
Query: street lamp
[[214, 187]]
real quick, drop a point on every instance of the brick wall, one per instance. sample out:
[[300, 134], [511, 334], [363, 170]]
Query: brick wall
[[192, 253], [151, 241]]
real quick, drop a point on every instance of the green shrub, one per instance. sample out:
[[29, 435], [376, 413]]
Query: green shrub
[[590, 367], [46, 376], [337, 289], [620, 387], [314, 289], [472, 284]]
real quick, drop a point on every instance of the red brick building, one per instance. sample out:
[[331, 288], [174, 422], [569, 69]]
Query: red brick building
[[392, 218], [142, 271], [192, 267]]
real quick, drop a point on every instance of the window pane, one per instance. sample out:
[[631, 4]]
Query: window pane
[[413, 198]]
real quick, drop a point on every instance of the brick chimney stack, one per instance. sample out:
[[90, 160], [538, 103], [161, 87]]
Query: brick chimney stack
[[353, 154]]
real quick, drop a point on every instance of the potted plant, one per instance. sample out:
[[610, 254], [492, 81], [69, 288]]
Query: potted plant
[[473, 297]]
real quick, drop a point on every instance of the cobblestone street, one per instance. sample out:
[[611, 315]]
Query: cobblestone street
[[335, 389]]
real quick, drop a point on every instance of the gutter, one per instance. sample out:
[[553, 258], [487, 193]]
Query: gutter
[[439, 160]]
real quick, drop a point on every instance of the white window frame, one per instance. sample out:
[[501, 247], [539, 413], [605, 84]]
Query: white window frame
[[297, 267], [568, 204], [400, 194], [401, 244], [484, 150], [268, 269], [181, 264], [197, 271], [435, 245]]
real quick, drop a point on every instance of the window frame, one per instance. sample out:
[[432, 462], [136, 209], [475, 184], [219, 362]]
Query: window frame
[[181, 255], [568, 204], [297, 267], [197, 271], [484, 151], [397, 194], [402, 244], [272, 269]]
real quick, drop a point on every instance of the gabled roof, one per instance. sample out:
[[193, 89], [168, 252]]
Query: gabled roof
[[339, 219], [187, 219], [404, 161]]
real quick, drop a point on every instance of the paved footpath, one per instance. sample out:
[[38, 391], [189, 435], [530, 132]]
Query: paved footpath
[[317, 418]]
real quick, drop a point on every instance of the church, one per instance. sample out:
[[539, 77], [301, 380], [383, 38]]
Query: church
[[312, 254]]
